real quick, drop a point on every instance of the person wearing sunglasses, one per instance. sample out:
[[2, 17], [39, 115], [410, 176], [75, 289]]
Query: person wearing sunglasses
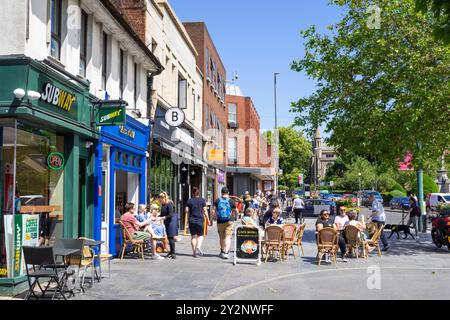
[[324, 221]]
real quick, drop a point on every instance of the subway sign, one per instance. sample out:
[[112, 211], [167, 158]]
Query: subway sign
[[57, 97], [111, 116]]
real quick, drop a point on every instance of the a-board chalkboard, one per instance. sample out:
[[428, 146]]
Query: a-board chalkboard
[[247, 243]]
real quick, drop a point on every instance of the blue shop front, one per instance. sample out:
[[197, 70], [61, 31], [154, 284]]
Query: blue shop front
[[120, 173]]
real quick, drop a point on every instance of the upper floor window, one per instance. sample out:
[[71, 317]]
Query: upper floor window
[[193, 105], [207, 62], [182, 92], [104, 59], [232, 152], [55, 20], [83, 43], [232, 115]]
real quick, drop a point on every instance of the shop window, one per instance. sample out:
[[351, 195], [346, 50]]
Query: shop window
[[37, 195], [138, 162], [125, 159], [131, 160], [118, 155]]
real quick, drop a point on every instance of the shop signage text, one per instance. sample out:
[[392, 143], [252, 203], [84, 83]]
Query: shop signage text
[[55, 160], [111, 116], [128, 132], [57, 97], [215, 155]]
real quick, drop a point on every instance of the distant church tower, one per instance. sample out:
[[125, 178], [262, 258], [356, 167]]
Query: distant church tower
[[322, 158]]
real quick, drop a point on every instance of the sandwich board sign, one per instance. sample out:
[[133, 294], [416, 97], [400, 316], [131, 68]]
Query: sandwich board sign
[[247, 245]]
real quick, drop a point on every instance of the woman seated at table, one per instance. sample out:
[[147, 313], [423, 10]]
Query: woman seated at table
[[157, 230], [324, 221], [275, 218], [249, 218], [142, 214]]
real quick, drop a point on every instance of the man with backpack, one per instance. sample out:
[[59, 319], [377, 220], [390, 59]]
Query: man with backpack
[[224, 209]]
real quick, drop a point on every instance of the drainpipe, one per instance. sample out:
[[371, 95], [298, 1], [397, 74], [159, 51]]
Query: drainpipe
[[152, 125]]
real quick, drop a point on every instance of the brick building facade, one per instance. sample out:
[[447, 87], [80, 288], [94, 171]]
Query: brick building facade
[[214, 107], [249, 157]]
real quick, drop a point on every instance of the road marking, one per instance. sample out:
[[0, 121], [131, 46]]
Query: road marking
[[230, 292]]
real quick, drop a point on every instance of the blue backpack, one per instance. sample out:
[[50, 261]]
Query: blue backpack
[[223, 210]]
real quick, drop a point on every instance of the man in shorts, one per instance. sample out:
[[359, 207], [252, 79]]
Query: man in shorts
[[225, 212]]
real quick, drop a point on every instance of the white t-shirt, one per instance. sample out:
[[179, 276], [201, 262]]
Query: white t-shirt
[[340, 221], [299, 204]]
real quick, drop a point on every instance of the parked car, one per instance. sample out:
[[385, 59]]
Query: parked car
[[435, 199], [400, 203], [314, 206], [364, 195]]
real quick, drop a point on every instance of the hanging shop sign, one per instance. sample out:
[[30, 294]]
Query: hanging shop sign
[[215, 155], [174, 117], [111, 116], [57, 97], [55, 161]]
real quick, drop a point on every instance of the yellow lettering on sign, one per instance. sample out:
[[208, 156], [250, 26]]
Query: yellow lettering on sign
[[61, 98]]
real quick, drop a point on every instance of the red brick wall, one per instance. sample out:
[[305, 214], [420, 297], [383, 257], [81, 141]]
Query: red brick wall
[[248, 133], [134, 12]]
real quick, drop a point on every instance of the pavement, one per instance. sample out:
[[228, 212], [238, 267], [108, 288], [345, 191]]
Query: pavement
[[411, 269]]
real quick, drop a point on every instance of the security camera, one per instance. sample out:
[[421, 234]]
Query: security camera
[[19, 93], [236, 76]]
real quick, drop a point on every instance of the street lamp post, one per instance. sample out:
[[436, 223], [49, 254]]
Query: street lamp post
[[359, 182], [277, 164]]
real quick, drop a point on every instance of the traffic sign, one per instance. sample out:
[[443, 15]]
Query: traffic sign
[[174, 117]]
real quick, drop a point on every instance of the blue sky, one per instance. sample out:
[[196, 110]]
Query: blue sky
[[259, 37]]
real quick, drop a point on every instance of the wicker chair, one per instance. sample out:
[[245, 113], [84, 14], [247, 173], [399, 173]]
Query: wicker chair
[[273, 240], [374, 242], [352, 235], [299, 238], [327, 242], [289, 235], [138, 245]]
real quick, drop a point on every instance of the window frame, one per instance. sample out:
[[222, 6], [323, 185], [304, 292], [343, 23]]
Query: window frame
[[57, 4], [121, 72], [83, 35], [104, 59]]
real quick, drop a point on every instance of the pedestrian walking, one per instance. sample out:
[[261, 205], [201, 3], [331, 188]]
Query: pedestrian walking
[[224, 209], [379, 217], [197, 212], [414, 215], [170, 221], [298, 207]]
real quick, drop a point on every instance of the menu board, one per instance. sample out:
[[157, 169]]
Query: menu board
[[247, 243]]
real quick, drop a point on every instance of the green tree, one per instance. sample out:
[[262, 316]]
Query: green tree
[[379, 90], [351, 180], [440, 9], [295, 155]]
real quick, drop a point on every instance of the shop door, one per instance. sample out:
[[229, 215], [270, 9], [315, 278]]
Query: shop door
[[105, 210], [82, 198]]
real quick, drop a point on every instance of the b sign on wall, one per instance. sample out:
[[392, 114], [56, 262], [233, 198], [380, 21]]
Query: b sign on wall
[[174, 117]]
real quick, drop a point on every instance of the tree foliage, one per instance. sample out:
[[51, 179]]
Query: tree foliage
[[441, 12], [295, 155], [379, 91]]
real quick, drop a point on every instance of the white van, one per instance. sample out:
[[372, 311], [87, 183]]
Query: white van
[[435, 199]]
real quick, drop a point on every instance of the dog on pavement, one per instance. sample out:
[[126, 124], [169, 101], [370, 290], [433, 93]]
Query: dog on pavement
[[397, 228]]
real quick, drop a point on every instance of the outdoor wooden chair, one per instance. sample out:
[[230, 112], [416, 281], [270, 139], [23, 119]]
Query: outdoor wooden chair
[[102, 257], [352, 235], [299, 238], [289, 235], [273, 241], [373, 242], [137, 245], [327, 242], [87, 261]]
